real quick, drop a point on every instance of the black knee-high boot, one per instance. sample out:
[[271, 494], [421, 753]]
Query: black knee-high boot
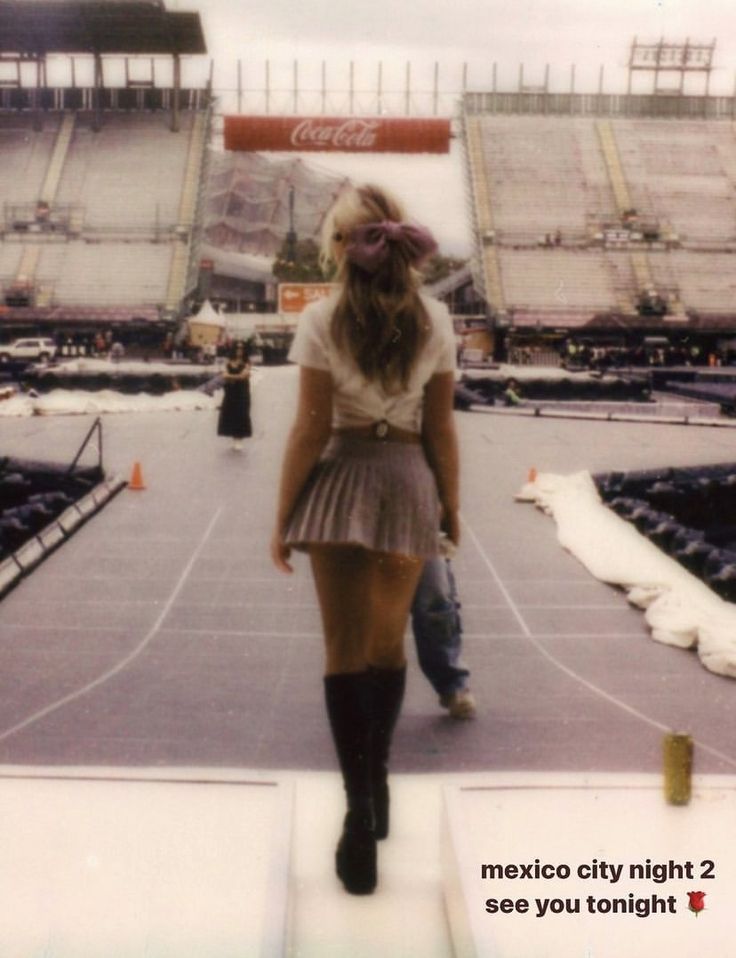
[[387, 694], [348, 706]]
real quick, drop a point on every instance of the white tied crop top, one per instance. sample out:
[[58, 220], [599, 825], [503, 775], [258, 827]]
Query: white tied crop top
[[356, 401]]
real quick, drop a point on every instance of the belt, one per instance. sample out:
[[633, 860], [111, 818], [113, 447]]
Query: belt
[[382, 431]]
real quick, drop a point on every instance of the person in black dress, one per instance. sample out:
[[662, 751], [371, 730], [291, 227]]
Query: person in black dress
[[234, 420]]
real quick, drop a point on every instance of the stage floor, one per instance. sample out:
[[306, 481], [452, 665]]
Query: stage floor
[[160, 636]]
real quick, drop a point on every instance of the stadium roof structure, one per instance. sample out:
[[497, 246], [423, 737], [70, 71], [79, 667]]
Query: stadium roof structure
[[454, 280], [34, 28], [247, 207]]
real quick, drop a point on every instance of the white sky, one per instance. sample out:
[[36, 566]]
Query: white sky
[[451, 33], [480, 32]]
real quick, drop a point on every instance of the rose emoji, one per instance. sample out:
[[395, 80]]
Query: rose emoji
[[696, 903]]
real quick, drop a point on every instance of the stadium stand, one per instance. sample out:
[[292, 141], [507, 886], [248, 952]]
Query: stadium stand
[[25, 155], [102, 187], [677, 174], [536, 279], [10, 257], [563, 162], [137, 274], [487, 273], [131, 193], [127, 176], [590, 206], [706, 280]]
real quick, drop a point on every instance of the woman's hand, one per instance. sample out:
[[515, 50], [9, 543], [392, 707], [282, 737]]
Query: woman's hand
[[280, 553], [450, 525]]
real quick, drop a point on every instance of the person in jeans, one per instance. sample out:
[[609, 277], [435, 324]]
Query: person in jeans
[[435, 619]]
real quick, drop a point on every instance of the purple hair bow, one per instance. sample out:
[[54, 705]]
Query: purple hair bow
[[370, 244]]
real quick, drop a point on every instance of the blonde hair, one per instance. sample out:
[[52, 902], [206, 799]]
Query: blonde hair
[[379, 317]]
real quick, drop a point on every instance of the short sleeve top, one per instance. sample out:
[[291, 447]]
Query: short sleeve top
[[356, 400]]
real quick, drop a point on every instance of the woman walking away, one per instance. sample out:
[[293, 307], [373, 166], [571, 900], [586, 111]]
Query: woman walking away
[[234, 419], [369, 479]]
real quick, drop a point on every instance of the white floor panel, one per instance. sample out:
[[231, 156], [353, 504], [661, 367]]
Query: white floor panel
[[114, 866], [593, 825]]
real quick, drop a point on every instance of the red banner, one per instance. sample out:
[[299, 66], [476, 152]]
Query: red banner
[[329, 134]]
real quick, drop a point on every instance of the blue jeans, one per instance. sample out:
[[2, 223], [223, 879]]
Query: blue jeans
[[435, 619]]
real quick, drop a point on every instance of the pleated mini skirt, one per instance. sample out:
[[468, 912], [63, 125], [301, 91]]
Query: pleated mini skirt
[[363, 492]]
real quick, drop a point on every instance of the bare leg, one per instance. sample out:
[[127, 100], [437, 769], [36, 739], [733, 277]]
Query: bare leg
[[365, 599], [340, 574], [393, 582]]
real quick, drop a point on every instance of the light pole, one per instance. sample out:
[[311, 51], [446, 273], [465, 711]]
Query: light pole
[[291, 234]]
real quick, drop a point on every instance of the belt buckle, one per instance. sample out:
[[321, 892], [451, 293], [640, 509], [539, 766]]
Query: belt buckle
[[380, 429]]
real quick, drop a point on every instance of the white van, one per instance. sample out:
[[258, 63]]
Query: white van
[[31, 349]]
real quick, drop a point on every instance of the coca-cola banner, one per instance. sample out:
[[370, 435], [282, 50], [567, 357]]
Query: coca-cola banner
[[330, 134]]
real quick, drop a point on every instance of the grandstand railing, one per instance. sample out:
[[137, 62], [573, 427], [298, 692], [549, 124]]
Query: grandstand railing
[[111, 98], [603, 104], [49, 219], [63, 221]]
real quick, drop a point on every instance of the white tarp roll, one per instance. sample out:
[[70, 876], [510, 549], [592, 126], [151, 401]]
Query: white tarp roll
[[679, 609]]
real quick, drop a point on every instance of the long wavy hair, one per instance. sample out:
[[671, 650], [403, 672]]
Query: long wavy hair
[[379, 317]]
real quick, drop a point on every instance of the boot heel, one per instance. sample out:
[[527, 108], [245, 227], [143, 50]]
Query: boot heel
[[355, 858]]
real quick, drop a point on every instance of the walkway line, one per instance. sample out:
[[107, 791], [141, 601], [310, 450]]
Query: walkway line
[[125, 662], [571, 673]]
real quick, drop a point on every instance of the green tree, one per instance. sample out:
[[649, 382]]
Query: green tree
[[304, 268], [438, 267]]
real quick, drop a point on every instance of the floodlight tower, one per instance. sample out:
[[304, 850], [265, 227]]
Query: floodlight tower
[[665, 58]]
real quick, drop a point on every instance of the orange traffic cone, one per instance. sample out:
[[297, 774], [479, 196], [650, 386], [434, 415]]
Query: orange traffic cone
[[136, 480], [532, 477]]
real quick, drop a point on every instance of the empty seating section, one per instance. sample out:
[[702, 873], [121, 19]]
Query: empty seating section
[[28, 263], [681, 173], [25, 157], [622, 274], [546, 188], [706, 281], [129, 174], [10, 257], [129, 194], [106, 274], [559, 279], [545, 174]]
